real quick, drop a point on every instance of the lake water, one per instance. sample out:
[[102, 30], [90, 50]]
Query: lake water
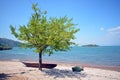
[[104, 55]]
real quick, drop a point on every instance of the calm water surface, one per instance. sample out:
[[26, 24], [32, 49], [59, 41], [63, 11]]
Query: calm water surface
[[105, 55]]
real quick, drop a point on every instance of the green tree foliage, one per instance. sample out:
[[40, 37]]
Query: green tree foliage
[[46, 34]]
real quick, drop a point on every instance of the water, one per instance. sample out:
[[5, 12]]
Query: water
[[105, 55]]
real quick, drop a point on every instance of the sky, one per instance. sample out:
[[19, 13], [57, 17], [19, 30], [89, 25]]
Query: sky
[[98, 20]]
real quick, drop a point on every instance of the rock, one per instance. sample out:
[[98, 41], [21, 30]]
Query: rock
[[77, 69]]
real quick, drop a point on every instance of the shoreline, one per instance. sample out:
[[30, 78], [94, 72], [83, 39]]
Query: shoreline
[[112, 68]]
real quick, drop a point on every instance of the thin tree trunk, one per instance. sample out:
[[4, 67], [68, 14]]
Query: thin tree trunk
[[40, 60]]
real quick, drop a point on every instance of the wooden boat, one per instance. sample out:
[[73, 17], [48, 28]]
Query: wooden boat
[[36, 65]]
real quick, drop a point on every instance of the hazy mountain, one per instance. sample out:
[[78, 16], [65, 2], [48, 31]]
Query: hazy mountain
[[9, 42]]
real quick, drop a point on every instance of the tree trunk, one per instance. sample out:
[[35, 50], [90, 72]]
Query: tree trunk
[[40, 60]]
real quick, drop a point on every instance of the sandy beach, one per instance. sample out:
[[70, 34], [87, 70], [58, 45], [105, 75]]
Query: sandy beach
[[15, 70]]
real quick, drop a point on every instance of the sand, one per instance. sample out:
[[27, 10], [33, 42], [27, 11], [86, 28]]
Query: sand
[[15, 70]]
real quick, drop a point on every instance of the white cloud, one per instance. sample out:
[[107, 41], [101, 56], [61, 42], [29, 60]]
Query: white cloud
[[109, 36], [116, 29], [114, 32], [101, 28]]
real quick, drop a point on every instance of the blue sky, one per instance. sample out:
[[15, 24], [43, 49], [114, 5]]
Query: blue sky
[[98, 20]]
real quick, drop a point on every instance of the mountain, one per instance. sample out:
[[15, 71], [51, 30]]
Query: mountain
[[9, 42]]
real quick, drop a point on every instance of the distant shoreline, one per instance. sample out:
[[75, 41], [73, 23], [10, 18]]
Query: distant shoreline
[[5, 48], [90, 45]]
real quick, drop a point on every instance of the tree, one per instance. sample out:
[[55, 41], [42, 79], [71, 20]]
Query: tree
[[46, 34]]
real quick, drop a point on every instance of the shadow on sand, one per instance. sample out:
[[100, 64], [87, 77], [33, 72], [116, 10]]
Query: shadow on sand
[[57, 73], [4, 76]]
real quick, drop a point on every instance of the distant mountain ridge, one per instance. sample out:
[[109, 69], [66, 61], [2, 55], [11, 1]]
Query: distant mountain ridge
[[9, 42]]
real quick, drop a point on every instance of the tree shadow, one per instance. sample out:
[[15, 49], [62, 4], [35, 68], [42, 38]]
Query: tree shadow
[[57, 73], [4, 76]]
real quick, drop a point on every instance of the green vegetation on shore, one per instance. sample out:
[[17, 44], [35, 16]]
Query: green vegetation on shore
[[5, 47]]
